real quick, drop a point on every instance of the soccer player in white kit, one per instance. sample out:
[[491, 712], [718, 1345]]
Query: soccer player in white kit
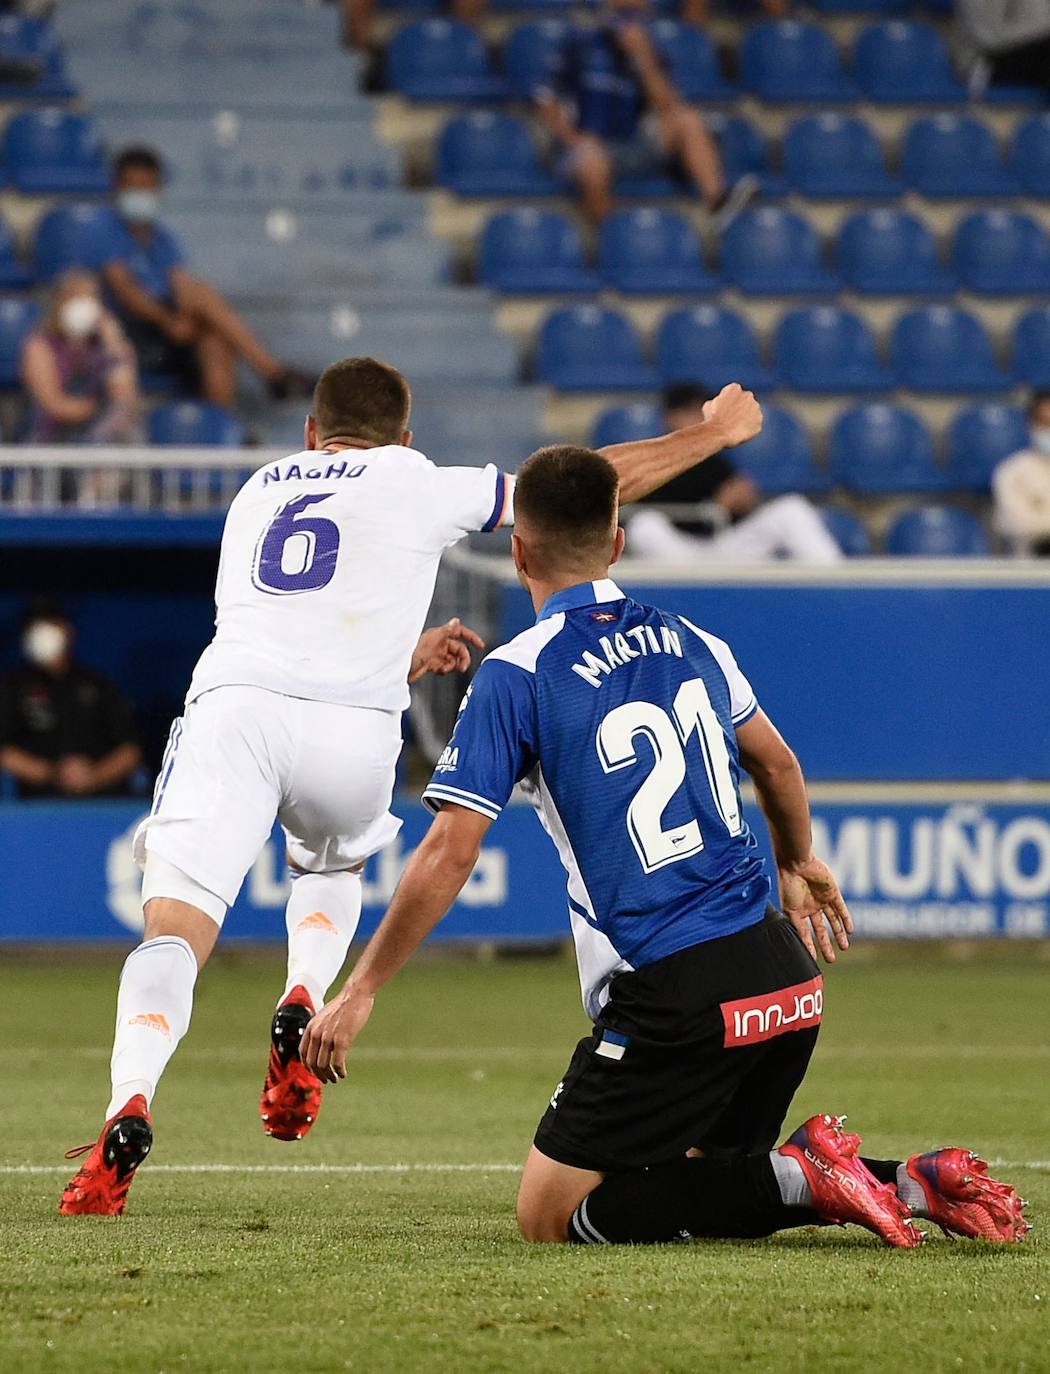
[[326, 572]]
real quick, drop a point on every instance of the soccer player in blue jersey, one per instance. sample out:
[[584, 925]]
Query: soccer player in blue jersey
[[629, 726]]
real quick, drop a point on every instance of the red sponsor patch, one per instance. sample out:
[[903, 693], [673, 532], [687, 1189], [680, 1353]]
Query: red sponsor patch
[[750, 1020]]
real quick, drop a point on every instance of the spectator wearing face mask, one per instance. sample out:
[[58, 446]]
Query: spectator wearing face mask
[[179, 325], [79, 371], [1021, 487], [65, 730]]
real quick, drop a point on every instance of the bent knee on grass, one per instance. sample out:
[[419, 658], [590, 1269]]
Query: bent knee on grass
[[549, 1194]]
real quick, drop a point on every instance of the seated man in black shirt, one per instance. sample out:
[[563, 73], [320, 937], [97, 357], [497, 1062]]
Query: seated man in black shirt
[[722, 517], [65, 731]]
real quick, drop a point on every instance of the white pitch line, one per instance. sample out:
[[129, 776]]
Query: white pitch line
[[1040, 1165]]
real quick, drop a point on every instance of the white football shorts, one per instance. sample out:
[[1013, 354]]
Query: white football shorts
[[242, 756]]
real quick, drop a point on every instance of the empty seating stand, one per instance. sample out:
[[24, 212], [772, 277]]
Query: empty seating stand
[[903, 63], [780, 458], [1002, 253], [442, 59], [195, 424], [1031, 348], [832, 154], [828, 350], [586, 348], [53, 150], [527, 250], [979, 439], [486, 154], [787, 60], [882, 448], [17, 318], [711, 346], [937, 532], [654, 251], [772, 252], [942, 349], [888, 252], [951, 155]]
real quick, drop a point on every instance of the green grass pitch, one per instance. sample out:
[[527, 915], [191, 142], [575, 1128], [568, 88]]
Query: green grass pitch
[[380, 1270]]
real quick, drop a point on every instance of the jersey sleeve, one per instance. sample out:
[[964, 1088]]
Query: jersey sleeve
[[742, 701], [493, 745], [472, 499]]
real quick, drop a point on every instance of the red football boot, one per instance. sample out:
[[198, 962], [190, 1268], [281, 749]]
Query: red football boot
[[964, 1201], [291, 1096], [843, 1188], [100, 1186]]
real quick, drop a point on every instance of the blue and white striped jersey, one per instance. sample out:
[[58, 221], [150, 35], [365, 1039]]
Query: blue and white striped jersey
[[620, 721]]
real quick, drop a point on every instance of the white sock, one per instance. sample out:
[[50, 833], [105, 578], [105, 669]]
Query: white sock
[[791, 1180], [322, 918], [911, 1193], [153, 1013]]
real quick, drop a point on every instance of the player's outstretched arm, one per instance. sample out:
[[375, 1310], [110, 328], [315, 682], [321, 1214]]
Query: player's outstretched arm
[[731, 418], [430, 884], [809, 894]]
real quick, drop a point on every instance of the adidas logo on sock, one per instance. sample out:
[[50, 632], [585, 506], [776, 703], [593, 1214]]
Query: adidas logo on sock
[[317, 921], [153, 1020]]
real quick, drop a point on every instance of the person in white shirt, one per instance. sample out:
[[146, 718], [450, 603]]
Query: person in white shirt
[[326, 571], [1021, 487]]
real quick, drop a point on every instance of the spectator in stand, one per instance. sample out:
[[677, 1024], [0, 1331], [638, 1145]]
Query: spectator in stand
[[727, 520], [177, 323], [698, 11], [65, 730], [1021, 487], [614, 111], [1007, 41], [359, 16], [79, 371]]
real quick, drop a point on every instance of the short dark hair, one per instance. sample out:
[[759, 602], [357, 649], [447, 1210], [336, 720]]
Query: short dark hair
[[362, 398], [138, 155], [567, 499], [45, 608], [685, 395], [1038, 398]]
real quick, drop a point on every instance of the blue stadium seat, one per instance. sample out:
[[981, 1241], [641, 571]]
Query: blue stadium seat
[[788, 60], [13, 271], [692, 60], [942, 349], [195, 424], [525, 250], [441, 59], [887, 252], [831, 154], [744, 151], [17, 318], [827, 350], [853, 539], [937, 532], [903, 63], [774, 252], [712, 347], [586, 348], [954, 155], [34, 42], [1030, 161], [655, 251], [1031, 348], [488, 154], [780, 458], [1000, 253], [861, 6], [979, 439], [882, 448], [627, 424], [63, 238], [52, 151], [532, 53]]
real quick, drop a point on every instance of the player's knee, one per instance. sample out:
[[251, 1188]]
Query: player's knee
[[539, 1223], [592, 164]]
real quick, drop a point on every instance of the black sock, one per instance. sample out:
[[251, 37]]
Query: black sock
[[885, 1170], [690, 1197]]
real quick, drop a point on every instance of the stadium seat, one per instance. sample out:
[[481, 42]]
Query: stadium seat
[[195, 424], [34, 43], [532, 53], [17, 318], [52, 151], [948, 155], [744, 151], [655, 251], [13, 272], [979, 439], [853, 539], [525, 250], [937, 532], [903, 63], [487, 154], [627, 424], [780, 458], [692, 60], [774, 252], [586, 348], [1030, 160], [1031, 348], [940, 348], [1001, 253], [786, 60], [63, 239], [861, 6], [887, 252], [441, 59], [882, 448], [710, 346], [825, 349], [831, 154]]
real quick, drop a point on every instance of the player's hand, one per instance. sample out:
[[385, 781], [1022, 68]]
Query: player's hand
[[332, 1031], [76, 775], [811, 900], [444, 649], [735, 413]]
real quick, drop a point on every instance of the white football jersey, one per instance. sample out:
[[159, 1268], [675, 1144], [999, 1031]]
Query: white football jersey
[[327, 570]]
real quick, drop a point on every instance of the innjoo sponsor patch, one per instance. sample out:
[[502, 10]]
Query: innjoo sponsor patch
[[750, 1020]]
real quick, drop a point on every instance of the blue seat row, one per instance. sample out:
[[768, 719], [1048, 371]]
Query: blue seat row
[[945, 156], [53, 150], [33, 44], [822, 350], [898, 62], [768, 251], [873, 449]]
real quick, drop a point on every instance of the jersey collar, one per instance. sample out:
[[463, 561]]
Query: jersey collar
[[583, 594]]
